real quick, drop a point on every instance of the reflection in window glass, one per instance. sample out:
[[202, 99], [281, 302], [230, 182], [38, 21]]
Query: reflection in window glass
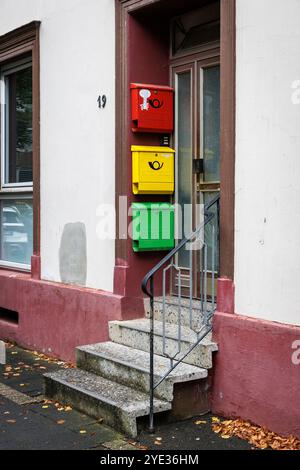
[[16, 242], [18, 124], [208, 234], [195, 28], [211, 124], [184, 136]]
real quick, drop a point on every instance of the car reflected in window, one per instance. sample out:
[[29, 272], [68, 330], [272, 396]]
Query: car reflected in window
[[16, 243]]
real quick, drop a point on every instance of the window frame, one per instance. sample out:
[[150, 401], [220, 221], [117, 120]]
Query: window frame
[[5, 72], [17, 46]]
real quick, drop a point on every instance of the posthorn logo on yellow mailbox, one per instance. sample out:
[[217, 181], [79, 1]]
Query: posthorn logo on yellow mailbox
[[152, 170]]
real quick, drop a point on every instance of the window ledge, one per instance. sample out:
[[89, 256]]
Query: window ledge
[[20, 268], [15, 189]]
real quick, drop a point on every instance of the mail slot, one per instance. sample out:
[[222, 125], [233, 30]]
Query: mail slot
[[152, 108], [152, 226], [152, 170]]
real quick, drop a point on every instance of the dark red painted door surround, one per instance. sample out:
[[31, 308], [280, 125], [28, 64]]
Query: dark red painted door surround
[[143, 56]]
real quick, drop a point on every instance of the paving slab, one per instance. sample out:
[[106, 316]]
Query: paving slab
[[41, 426], [187, 435]]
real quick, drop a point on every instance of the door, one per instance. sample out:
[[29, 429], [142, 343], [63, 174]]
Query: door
[[197, 143]]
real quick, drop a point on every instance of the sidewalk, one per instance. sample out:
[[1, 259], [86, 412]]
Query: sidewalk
[[29, 421]]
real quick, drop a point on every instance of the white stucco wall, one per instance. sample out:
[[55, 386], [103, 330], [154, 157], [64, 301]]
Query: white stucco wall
[[77, 45], [267, 238]]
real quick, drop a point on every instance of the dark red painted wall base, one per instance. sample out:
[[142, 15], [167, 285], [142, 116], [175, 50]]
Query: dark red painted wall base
[[55, 318], [254, 376], [225, 295]]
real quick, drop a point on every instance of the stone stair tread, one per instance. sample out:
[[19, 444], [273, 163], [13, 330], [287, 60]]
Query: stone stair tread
[[140, 360], [187, 335], [122, 397], [185, 302]]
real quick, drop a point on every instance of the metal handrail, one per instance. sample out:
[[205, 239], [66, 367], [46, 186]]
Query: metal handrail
[[209, 216], [149, 279]]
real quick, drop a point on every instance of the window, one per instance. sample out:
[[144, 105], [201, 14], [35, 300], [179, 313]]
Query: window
[[16, 207], [17, 125], [20, 149], [196, 29]]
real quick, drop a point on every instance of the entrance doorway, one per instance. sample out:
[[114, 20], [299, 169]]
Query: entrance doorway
[[147, 53]]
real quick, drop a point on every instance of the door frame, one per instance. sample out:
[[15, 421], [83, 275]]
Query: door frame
[[227, 138]]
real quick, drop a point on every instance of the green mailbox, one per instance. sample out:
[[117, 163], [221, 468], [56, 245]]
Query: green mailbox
[[152, 226]]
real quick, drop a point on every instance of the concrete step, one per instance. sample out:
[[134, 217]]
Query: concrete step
[[130, 367], [172, 311], [136, 334], [118, 405]]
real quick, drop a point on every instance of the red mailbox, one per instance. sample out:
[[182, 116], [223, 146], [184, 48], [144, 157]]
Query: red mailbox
[[152, 108]]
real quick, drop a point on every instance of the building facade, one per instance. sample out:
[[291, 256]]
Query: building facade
[[67, 264]]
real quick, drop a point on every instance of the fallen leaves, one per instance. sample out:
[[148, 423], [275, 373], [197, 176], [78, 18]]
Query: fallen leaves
[[59, 407], [258, 437], [37, 364], [215, 420], [60, 421], [198, 423], [136, 445], [158, 441], [65, 408], [50, 360], [47, 402]]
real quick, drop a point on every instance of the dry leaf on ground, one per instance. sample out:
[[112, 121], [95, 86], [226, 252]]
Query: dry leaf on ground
[[260, 438]]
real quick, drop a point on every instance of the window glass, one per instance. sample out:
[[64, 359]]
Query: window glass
[[208, 235], [16, 242], [211, 124], [196, 28], [18, 126], [184, 150]]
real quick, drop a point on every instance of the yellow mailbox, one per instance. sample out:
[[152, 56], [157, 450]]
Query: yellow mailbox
[[152, 170]]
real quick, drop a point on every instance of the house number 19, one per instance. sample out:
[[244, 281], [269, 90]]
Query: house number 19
[[102, 100]]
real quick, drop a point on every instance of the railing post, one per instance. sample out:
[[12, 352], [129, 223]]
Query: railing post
[[151, 415]]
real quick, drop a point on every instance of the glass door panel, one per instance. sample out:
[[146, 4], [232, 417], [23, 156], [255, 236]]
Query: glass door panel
[[184, 157], [211, 124], [210, 152]]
